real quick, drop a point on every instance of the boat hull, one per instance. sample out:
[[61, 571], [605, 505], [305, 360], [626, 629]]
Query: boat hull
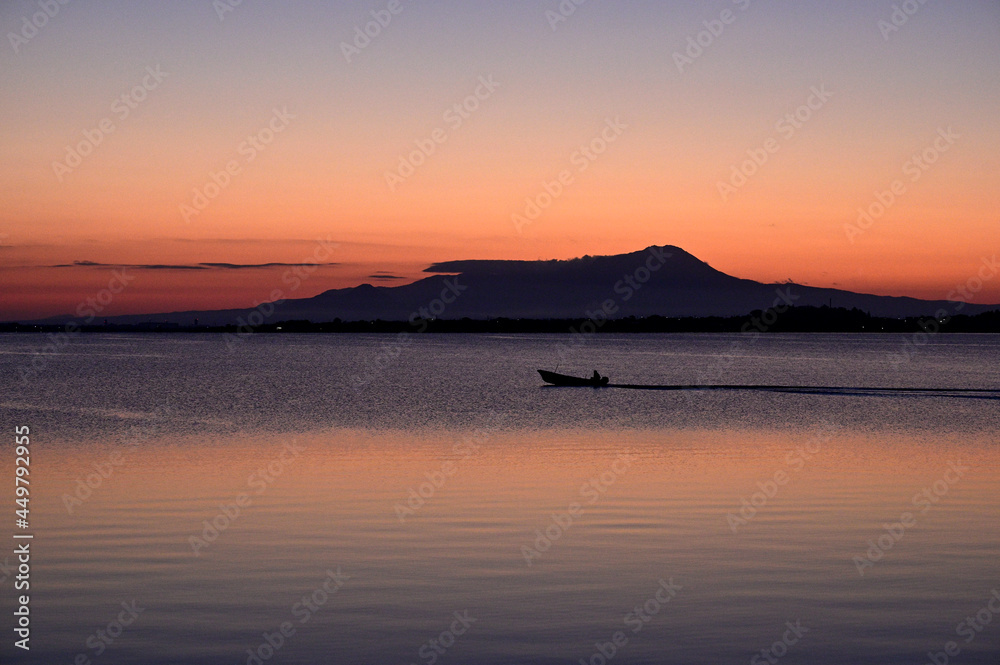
[[565, 380]]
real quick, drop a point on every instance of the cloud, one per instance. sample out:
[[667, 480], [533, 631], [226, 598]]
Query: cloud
[[83, 264], [152, 266], [245, 266], [165, 267], [243, 241], [384, 275], [197, 266]]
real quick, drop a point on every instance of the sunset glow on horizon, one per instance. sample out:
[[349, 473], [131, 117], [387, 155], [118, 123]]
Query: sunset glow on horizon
[[210, 150]]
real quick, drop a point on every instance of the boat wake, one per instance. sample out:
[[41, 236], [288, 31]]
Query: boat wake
[[970, 393]]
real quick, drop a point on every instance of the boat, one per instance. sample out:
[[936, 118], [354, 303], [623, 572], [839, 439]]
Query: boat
[[598, 381], [565, 380]]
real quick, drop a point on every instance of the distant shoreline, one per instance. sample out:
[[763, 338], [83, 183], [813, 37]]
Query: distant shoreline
[[793, 320]]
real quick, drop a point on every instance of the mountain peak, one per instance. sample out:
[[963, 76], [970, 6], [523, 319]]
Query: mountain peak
[[660, 280]]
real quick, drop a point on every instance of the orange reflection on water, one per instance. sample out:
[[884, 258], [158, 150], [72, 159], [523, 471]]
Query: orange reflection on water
[[407, 481]]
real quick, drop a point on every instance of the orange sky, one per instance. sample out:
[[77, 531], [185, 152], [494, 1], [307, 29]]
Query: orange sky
[[328, 131]]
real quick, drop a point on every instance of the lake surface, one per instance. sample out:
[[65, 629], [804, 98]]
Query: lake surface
[[426, 500]]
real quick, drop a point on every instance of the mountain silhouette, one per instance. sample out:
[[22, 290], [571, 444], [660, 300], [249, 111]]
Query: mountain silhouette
[[660, 280]]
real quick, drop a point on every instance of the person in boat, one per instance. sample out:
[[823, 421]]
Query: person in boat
[[596, 378]]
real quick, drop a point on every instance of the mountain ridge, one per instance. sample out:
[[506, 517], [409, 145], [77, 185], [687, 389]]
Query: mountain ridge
[[656, 281]]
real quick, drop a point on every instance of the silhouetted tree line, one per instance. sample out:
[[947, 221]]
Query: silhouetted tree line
[[794, 319]]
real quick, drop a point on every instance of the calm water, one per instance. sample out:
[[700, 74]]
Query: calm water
[[429, 502]]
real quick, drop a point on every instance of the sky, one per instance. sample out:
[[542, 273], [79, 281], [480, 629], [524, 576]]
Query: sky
[[163, 156]]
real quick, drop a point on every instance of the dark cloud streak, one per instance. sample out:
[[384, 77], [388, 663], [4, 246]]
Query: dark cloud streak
[[248, 266], [199, 266]]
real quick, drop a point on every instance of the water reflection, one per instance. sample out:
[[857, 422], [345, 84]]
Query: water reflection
[[425, 533]]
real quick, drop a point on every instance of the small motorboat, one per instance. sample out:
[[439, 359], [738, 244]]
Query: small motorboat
[[595, 381]]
